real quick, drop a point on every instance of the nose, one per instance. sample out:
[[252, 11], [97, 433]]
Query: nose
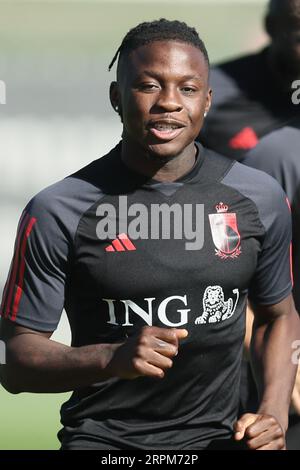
[[168, 100]]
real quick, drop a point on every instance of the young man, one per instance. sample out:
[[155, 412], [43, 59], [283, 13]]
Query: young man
[[278, 155], [157, 317], [253, 94]]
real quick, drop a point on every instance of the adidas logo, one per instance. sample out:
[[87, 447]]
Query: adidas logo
[[121, 243]]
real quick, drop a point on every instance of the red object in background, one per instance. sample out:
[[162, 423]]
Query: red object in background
[[245, 139]]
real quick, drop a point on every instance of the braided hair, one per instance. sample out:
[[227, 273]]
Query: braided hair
[[158, 30]]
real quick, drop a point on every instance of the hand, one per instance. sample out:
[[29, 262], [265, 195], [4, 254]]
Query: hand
[[295, 401], [149, 353], [260, 432]]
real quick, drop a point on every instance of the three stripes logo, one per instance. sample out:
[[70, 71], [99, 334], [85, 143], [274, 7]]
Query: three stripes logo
[[121, 243]]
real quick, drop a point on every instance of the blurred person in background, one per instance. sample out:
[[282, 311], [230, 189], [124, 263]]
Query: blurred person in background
[[252, 94], [157, 328], [278, 154], [253, 98]]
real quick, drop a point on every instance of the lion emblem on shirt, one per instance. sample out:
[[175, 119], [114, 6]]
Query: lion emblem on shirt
[[215, 307]]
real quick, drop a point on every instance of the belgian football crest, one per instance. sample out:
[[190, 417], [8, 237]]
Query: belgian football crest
[[225, 233]]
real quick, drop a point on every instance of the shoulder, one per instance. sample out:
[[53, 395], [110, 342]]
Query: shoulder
[[56, 210], [243, 178], [79, 190], [65, 196], [262, 189], [249, 180], [60, 206]]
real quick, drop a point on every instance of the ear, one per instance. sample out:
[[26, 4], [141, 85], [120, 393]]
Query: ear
[[208, 100], [114, 96]]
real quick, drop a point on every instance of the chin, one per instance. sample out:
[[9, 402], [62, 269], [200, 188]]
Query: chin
[[164, 152], [160, 158]]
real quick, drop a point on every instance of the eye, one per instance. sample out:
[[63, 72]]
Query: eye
[[188, 90], [148, 87]]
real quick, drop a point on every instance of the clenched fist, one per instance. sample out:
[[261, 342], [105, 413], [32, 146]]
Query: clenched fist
[[149, 353], [260, 432]]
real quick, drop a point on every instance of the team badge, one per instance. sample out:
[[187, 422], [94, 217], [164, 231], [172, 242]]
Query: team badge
[[225, 233], [215, 307]]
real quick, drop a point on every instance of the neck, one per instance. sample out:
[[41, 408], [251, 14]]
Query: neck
[[159, 168]]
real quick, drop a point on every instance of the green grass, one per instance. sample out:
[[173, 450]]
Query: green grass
[[29, 421]]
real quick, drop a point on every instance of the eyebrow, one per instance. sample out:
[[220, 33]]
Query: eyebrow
[[183, 77]]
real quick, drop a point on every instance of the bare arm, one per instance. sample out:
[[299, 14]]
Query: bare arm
[[275, 328], [248, 334], [295, 401], [35, 363]]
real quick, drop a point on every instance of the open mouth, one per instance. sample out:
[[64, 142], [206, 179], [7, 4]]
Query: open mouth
[[166, 130]]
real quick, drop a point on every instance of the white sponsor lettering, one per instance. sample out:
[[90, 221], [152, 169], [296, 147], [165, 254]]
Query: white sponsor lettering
[[215, 309]]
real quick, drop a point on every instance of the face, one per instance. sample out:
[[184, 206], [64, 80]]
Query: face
[[284, 28], [162, 94]]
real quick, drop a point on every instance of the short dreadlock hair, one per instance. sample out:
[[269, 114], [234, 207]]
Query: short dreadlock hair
[[159, 30], [278, 7]]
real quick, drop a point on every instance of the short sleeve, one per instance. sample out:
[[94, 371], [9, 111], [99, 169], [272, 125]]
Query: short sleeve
[[273, 279], [34, 293]]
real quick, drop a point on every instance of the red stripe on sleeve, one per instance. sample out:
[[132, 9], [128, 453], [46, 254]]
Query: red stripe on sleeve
[[11, 282], [19, 290]]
